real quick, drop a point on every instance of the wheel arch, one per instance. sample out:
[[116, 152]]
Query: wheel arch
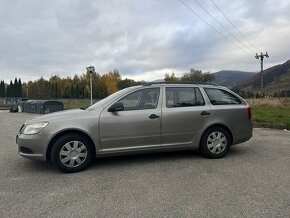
[[66, 132], [214, 126]]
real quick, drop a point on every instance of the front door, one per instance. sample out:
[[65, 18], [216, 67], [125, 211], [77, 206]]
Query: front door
[[138, 126]]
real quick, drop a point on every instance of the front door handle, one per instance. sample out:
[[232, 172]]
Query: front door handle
[[204, 113], [153, 116]]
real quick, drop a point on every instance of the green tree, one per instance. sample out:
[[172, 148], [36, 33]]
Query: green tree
[[2, 89], [127, 83], [10, 89], [19, 88], [15, 88], [197, 76], [170, 77]]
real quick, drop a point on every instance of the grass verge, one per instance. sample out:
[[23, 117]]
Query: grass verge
[[272, 116], [68, 106]]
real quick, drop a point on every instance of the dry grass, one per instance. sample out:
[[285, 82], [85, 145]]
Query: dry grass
[[3, 107], [272, 102]]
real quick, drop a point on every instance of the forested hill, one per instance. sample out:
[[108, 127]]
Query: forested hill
[[231, 78], [276, 81]]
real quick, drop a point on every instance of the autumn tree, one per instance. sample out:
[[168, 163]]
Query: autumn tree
[[108, 84]]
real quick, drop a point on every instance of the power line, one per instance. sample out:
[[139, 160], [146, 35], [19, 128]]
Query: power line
[[234, 25], [225, 29], [225, 37]]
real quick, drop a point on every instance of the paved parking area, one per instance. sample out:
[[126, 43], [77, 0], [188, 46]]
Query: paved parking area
[[253, 180]]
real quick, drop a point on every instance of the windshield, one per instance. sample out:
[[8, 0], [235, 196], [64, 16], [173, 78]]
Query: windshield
[[106, 100]]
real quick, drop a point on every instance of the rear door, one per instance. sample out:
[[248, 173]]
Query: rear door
[[231, 111], [184, 115], [138, 126]]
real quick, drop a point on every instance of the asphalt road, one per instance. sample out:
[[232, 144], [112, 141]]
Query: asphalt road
[[253, 180]]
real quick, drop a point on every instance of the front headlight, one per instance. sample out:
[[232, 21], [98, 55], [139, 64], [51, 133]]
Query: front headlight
[[34, 128]]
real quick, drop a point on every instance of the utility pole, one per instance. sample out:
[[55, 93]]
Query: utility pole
[[91, 70], [261, 56]]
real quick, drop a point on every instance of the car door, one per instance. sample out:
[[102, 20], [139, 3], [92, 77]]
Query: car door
[[184, 115], [137, 126]]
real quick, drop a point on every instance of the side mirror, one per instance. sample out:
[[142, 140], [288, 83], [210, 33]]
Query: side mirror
[[118, 106]]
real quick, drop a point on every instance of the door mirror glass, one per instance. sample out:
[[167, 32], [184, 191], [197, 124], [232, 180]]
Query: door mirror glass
[[118, 106]]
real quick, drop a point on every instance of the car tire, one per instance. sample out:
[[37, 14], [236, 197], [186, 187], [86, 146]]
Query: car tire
[[72, 153], [215, 142]]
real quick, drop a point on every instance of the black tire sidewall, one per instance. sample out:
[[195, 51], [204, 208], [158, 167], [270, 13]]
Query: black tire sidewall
[[203, 145], [61, 142]]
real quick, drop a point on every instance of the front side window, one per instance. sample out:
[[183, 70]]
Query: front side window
[[183, 97], [221, 97], [141, 99]]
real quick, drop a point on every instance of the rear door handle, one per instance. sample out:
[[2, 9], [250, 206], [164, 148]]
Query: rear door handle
[[153, 116], [204, 113]]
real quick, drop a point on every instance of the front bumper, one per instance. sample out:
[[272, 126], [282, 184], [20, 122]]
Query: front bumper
[[33, 146]]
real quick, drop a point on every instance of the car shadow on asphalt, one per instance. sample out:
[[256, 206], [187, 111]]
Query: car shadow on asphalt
[[240, 151], [165, 157], [142, 159], [36, 166], [136, 159]]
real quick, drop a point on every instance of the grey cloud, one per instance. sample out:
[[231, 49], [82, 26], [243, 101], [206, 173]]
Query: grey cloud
[[64, 36]]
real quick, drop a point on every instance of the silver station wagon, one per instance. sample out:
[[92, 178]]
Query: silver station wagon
[[151, 117]]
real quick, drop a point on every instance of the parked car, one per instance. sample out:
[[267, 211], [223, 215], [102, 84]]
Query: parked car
[[14, 109], [151, 117]]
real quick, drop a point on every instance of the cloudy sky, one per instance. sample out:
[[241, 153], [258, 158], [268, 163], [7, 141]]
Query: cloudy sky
[[142, 39]]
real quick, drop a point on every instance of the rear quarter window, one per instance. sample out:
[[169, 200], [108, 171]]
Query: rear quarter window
[[221, 97]]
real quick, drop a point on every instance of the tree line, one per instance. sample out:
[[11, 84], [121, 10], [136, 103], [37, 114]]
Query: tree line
[[13, 89], [192, 76], [79, 85]]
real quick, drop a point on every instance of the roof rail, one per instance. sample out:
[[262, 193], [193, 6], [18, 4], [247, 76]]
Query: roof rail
[[179, 82]]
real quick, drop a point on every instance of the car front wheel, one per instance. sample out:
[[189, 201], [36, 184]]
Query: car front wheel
[[215, 142], [72, 153]]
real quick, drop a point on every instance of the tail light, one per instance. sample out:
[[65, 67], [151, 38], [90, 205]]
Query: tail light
[[249, 112]]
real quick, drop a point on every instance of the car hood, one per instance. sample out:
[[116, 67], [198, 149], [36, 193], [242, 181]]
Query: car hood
[[62, 115]]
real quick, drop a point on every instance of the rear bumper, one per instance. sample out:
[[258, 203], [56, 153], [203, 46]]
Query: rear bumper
[[32, 146], [244, 134]]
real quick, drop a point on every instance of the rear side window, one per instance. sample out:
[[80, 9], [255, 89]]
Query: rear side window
[[221, 97], [183, 97]]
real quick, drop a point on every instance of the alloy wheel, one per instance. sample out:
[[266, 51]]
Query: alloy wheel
[[216, 142], [73, 154]]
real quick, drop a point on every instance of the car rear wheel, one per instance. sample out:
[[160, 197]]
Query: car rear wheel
[[72, 153], [215, 142]]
